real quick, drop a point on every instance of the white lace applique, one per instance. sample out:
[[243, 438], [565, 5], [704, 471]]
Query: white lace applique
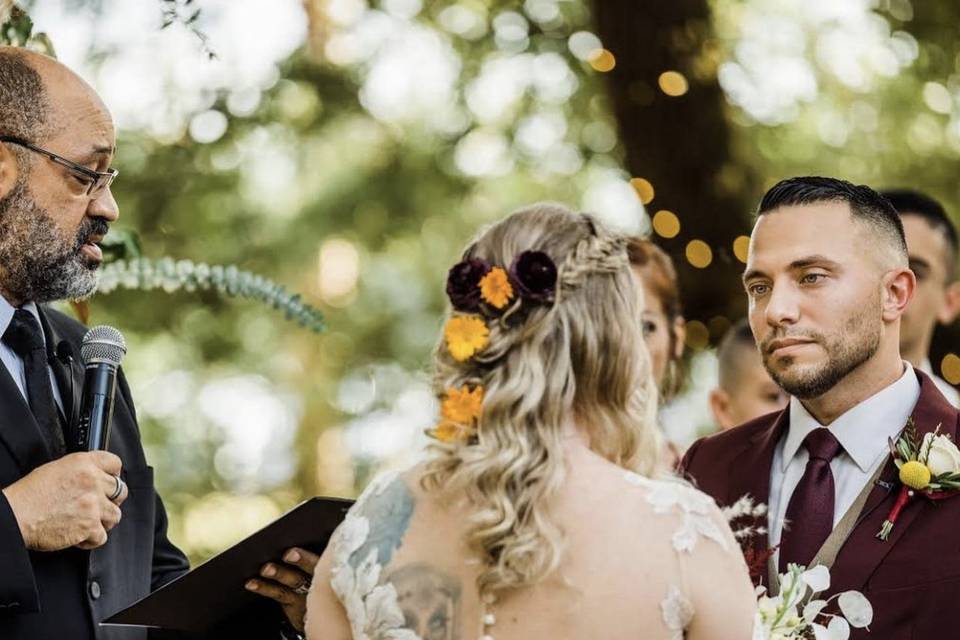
[[372, 608], [664, 496], [677, 613], [668, 497]]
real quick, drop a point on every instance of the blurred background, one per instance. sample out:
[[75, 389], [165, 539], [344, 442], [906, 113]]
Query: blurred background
[[349, 149]]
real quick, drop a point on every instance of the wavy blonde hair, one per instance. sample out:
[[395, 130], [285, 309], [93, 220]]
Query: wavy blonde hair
[[582, 357]]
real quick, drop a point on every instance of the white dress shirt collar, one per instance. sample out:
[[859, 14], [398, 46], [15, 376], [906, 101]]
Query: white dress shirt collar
[[865, 428]]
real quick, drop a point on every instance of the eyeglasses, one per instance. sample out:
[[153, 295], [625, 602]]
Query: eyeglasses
[[96, 181]]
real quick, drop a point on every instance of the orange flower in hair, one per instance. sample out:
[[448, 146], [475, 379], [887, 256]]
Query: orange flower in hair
[[449, 432], [495, 288], [462, 406], [465, 336]]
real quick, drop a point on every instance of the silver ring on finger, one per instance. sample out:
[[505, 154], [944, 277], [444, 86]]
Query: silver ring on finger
[[116, 492], [303, 588]]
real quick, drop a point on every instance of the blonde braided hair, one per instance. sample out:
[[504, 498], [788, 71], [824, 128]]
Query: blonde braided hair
[[583, 356]]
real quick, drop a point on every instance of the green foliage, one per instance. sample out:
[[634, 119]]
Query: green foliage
[[170, 276]]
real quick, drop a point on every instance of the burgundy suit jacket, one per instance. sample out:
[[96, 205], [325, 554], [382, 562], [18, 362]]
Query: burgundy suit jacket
[[913, 579]]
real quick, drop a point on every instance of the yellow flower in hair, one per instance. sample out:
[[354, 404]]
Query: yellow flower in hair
[[450, 432], [462, 406], [465, 336], [495, 288]]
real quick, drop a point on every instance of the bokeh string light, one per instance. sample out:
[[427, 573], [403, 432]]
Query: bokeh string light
[[666, 224], [699, 254], [644, 189], [673, 83]]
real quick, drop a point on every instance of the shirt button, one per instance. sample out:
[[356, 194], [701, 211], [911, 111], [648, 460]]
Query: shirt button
[[95, 590]]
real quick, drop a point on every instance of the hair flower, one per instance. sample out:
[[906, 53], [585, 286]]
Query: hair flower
[[463, 283], [535, 275], [495, 288], [460, 409], [450, 432], [466, 336], [462, 406]]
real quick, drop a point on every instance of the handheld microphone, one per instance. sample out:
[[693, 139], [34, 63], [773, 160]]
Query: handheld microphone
[[102, 350]]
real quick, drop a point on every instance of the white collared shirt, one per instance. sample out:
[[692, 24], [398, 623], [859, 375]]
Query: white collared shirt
[[12, 361], [863, 431], [948, 390]]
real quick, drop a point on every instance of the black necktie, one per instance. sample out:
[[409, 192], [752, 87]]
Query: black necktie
[[25, 337]]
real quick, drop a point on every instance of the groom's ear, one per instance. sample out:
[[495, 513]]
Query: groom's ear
[[898, 288]]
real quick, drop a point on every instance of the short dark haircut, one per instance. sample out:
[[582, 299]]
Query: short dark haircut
[[737, 338], [913, 203], [866, 204], [24, 107]]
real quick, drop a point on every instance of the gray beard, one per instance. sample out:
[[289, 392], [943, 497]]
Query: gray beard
[[38, 265]]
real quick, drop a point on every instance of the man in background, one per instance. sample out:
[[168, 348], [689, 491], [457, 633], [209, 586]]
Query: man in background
[[744, 389], [932, 246]]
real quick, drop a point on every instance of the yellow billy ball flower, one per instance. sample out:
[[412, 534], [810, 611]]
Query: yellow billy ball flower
[[915, 475], [465, 336], [495, 288]]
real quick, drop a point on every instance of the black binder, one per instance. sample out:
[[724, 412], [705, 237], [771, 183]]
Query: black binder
[[210, 601]]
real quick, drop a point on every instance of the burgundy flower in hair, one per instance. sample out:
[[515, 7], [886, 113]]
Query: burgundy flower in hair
[[535, 276], [463, 283]]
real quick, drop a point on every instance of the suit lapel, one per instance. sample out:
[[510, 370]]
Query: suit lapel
[[19, 429], [69, 375], [754, 464], [863, 551]]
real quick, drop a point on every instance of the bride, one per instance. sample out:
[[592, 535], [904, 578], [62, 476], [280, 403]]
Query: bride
[[535, 515]]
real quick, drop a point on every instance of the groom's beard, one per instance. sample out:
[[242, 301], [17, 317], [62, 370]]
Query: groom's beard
[[854, 344], [38, 264]]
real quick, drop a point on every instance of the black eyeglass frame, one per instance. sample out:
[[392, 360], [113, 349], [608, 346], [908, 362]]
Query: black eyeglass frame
[[99, 180]]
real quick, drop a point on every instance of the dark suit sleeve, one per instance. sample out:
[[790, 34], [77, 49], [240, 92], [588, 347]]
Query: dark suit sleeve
[[687, 463], [168, 561], [18, 590]]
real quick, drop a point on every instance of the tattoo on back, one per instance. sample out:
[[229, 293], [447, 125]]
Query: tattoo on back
[[389, 512], [430, 600]]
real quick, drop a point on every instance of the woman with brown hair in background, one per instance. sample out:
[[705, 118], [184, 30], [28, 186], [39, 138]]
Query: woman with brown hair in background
[[664, 329]]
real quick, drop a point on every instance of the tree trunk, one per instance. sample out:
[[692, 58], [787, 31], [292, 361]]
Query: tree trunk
[[681, 144]]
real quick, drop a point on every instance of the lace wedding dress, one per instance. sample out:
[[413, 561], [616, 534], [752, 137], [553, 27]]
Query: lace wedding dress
[[371, 601]]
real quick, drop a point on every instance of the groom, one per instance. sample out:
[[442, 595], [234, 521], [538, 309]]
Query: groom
[[827, 281]]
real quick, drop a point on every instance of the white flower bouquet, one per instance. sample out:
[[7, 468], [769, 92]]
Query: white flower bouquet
[[797, 614]]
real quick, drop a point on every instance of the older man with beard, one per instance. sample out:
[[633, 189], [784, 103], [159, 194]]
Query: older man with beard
[[82, 534], [827, 281]]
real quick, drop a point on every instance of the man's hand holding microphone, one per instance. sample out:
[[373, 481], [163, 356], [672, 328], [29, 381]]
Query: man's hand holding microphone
[[67, 502], [75, 500]]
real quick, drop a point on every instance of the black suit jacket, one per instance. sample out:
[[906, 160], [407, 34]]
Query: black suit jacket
[[65, 594]]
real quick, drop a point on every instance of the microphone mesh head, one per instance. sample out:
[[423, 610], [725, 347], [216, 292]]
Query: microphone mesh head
[[103, 344]]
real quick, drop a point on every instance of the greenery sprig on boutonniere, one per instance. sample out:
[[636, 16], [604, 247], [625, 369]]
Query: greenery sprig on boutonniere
[[929, 466]]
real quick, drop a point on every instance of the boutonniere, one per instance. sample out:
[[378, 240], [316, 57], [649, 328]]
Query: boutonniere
[[929, 467]]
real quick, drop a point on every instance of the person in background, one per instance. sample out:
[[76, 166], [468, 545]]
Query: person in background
[[932, 246], [664, 328], [744, 388]]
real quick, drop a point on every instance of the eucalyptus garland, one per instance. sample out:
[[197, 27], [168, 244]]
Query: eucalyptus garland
[[169, 275]]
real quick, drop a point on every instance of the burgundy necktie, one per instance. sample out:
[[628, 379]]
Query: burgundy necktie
[[809, 518]]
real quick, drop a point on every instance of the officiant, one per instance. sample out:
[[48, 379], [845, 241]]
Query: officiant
[[82, 534]]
